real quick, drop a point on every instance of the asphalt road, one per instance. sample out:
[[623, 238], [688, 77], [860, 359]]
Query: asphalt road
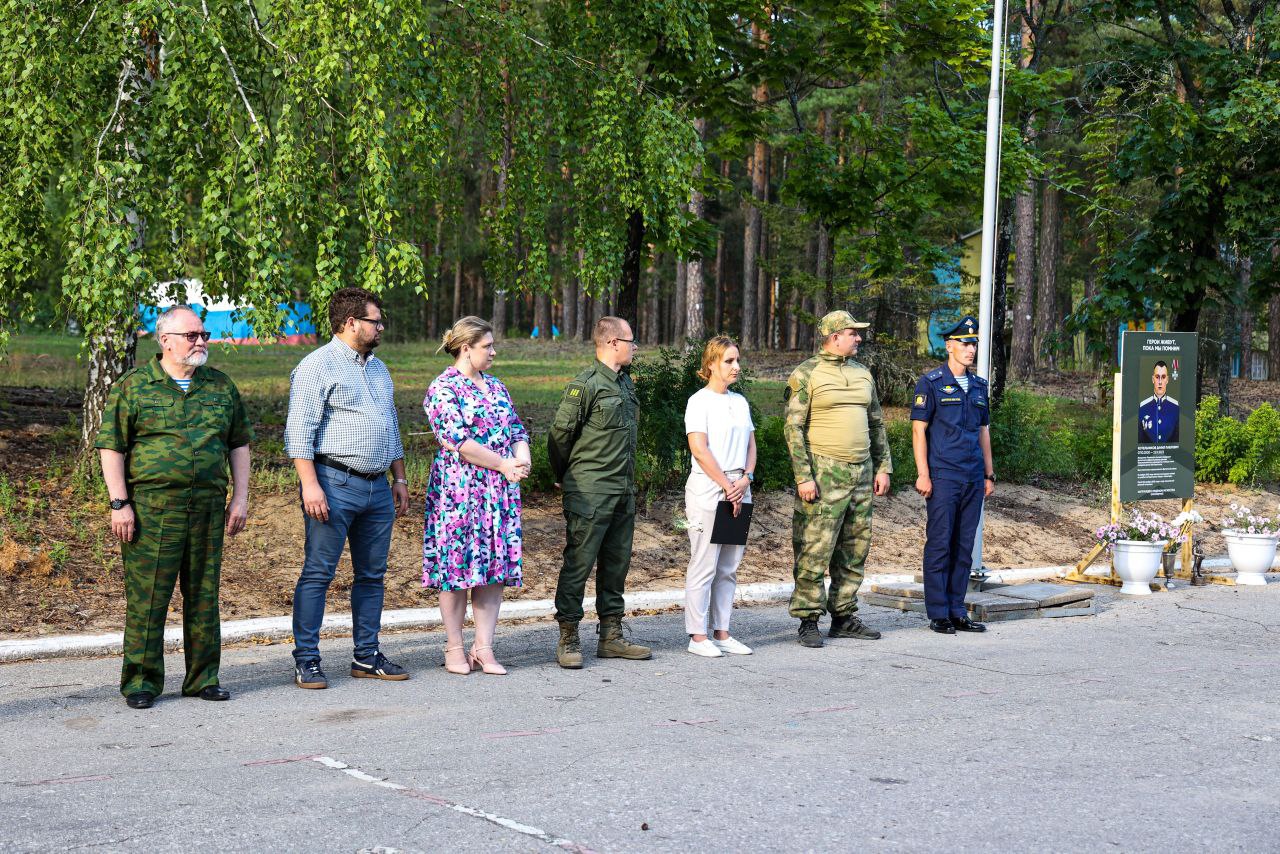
[[1152, 726]]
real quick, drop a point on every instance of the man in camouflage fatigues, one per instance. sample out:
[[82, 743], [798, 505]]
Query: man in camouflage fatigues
[[840, 457], [168, 432]]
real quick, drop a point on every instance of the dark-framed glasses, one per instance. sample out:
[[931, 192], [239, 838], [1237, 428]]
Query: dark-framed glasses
[[380, 322], [630, 341], [192, 337]]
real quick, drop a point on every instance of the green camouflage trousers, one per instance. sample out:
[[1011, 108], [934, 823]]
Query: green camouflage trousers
[[172, 545], [832, 534]]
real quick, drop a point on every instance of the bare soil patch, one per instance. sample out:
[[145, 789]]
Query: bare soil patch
[[60, 571]]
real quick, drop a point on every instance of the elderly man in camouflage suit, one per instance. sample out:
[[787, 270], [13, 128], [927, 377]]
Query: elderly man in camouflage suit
[[840, 457], [169, 430]]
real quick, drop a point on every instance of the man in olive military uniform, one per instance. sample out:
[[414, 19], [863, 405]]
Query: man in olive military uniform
[[951, 441], [168, 432], [592, 450], [840, 457]]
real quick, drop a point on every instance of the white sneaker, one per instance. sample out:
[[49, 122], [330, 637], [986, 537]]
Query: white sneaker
[[732, 646], [704, 648]]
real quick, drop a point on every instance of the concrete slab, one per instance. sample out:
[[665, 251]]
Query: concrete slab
[[1043, 593]]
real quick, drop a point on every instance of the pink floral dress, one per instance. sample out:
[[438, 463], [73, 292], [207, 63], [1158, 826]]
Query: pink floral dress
[[472, 534]]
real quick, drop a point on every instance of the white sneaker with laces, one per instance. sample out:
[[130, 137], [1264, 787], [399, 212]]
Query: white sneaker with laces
[[732, 646], [705, 648]]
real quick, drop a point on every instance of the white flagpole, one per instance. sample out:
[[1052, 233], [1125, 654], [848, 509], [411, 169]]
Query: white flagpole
[[990, 203]]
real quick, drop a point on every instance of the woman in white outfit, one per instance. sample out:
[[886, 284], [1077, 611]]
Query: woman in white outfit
[[723, 442]]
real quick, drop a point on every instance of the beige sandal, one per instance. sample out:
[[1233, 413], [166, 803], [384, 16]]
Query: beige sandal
[[494, 669], [462, 669]]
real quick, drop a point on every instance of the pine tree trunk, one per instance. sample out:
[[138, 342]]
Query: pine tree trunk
[[750, 247], [568, 306], [653, 307], [1048, 313], [628, 295], [680, 302], [1273, 338], [717, 317], [1022, 352], [695, 314]]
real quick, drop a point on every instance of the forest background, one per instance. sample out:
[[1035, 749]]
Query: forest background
[[694, 165]]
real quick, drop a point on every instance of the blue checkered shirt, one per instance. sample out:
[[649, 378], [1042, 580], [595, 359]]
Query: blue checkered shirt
[[342, 405]]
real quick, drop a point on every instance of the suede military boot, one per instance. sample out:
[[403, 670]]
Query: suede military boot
[[614, 645], [569, 649], [851, 627], [809, 634]]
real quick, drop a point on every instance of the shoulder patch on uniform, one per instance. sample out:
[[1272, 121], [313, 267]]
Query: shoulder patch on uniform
[[573, 392], [919, 400], [1148, 400], [979, 380], [934, 374], [1170, 400]]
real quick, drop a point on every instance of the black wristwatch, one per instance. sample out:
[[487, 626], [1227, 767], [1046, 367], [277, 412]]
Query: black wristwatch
[[990, 477], [119, 503]]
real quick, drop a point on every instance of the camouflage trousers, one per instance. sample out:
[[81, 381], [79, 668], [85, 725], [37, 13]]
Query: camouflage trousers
[[172, 546], [832, 534]]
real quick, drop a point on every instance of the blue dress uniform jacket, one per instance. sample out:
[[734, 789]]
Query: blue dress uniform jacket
[[1158, 420], [957, 469], [954, 418]]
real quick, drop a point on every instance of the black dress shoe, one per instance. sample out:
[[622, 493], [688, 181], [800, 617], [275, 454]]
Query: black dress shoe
[[140, 700], [214, 692], [964, 624], [942, 627]]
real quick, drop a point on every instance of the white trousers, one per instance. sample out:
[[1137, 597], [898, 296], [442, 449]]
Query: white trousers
[[712, 576]]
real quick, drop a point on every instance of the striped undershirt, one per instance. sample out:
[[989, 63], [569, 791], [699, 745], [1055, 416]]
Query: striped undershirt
[[963, 380]]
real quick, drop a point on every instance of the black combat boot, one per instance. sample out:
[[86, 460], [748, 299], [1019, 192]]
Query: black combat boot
[[809, 634], [851, 627]]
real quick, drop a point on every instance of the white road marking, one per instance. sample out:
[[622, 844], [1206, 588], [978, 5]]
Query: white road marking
[[509, 824]]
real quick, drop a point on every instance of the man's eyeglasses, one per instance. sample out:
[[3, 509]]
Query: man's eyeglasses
[[630, 341], [191, 337], [380, 322]]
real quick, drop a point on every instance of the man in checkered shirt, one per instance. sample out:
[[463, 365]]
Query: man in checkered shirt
[[343, 435]]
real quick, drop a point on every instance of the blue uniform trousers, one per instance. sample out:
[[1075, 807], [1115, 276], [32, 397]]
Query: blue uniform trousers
[[954, 509]]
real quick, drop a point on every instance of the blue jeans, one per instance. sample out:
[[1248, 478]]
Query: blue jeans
[[361, 512]]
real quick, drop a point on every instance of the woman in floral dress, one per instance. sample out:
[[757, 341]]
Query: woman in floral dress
[[471, 537]]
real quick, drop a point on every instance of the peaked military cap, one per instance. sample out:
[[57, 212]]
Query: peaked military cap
[[836, 320], [966, 330]]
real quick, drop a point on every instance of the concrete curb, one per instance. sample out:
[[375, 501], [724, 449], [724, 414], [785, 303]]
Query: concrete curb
[[275, 629]]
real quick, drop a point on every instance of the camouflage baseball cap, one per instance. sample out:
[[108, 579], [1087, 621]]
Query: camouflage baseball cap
[[837, 320]]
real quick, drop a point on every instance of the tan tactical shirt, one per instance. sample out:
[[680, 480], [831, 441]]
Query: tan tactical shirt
[[832, 411]]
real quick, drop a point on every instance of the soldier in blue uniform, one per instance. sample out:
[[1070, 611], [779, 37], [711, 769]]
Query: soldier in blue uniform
[[952, 444], [1158, 414]]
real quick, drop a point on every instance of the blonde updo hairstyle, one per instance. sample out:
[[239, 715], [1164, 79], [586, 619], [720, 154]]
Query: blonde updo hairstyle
[[466, 332], [716, 347]]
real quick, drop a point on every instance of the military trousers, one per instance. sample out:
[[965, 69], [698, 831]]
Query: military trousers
[[954, 509], [831, 535], [182, 546], [598, 533]]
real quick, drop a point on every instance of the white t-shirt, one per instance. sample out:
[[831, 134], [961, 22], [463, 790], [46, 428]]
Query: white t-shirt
[[726, 419]]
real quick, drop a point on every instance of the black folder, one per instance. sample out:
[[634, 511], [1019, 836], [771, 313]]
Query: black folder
[[729, 530]]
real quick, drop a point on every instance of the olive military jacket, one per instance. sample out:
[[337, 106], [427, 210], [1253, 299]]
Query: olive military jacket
[[832, 410], [592, 443], [176, 446]]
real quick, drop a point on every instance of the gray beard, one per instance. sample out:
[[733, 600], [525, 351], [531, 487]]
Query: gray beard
[[195, 360]]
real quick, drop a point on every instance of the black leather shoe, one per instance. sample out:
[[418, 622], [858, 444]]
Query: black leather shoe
[[942, 627], [964, 624], [140, 700], [214, 692]]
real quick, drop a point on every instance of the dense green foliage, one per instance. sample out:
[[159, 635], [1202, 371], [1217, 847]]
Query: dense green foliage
[[1232, 451]]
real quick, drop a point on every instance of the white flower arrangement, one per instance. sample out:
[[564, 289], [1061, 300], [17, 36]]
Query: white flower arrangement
[[1243, 520]]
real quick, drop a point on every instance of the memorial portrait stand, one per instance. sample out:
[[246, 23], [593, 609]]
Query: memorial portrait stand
[[1079, 573]]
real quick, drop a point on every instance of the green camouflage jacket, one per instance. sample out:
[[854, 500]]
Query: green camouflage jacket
[[852, 432], [176, 446]]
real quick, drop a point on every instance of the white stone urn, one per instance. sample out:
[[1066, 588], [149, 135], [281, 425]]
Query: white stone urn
[[1137, 562], [1251, 555]]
